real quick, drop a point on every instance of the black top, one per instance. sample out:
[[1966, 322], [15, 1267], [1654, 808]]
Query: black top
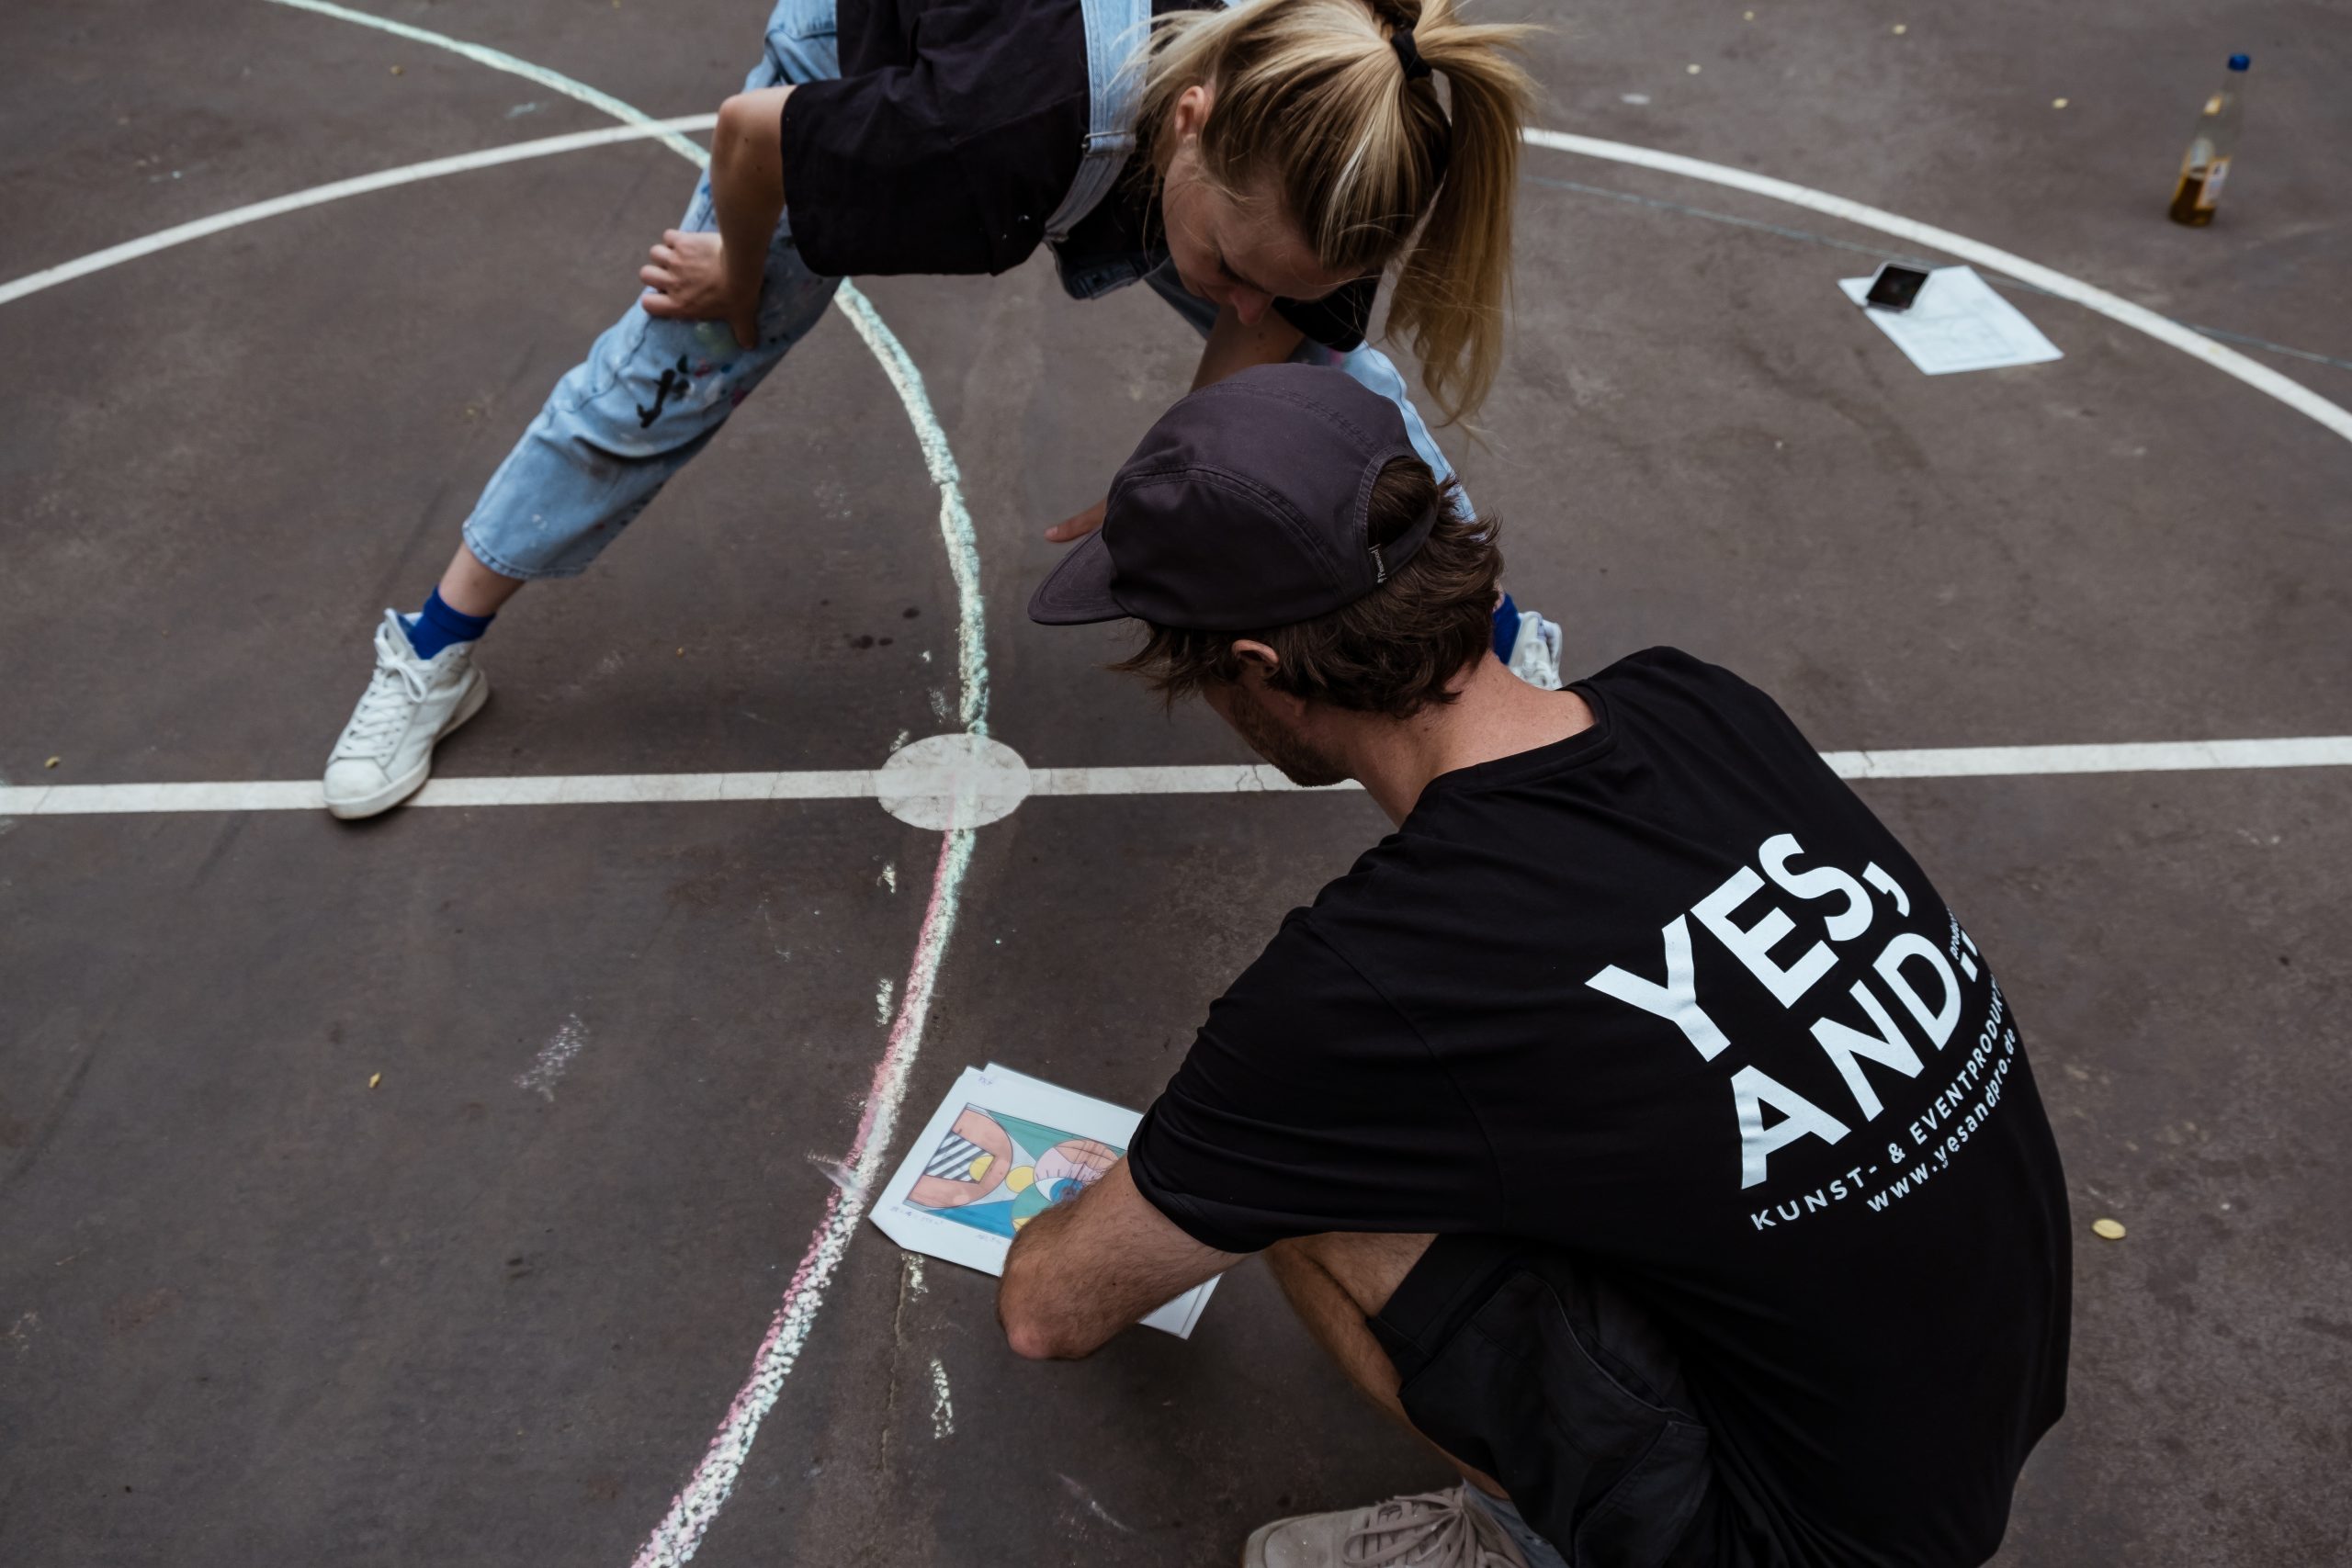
[[952, 136], [1667, 996]]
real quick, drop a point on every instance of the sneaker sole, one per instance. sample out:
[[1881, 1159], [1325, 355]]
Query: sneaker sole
[[408, 783], [1253, 1555]]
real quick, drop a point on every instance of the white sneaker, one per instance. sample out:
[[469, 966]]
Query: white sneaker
[[386, 751], [1427, 1529], [1535, 652]]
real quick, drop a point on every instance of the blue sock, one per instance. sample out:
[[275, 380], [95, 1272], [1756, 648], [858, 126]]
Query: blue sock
[[1505, 628], [436, 626]]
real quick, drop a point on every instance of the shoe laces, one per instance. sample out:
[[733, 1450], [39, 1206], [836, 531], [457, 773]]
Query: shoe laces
[[398, 683], [1425, 1530]]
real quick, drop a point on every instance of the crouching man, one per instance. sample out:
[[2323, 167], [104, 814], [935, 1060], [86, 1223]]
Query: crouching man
[[1635, 1123]]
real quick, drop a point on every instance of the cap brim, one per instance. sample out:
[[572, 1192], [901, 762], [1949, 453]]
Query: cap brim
[[1077, 591]]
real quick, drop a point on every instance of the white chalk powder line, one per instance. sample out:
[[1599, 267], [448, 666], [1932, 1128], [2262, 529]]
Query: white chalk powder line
[[1235, 778], [554, 1058], [943, 1401]]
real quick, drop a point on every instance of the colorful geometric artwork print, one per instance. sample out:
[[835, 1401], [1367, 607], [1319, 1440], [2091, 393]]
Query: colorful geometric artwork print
[[996, 1173]]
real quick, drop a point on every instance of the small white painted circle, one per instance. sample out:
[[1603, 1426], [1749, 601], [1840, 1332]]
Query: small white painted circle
[[952, 781]]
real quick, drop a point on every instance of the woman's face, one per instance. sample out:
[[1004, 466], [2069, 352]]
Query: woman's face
[[1239, 250]]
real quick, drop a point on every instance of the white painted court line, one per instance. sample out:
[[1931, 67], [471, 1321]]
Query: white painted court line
[[2294, 394], [499, 60], [490, 157], [1236, 778], [2145, 757]]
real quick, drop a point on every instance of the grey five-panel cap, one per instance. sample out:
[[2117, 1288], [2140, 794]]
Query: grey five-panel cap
[[1244, 509]]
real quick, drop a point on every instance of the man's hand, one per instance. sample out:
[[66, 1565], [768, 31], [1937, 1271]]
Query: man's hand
[[687, 276], [1079, 527], [1084, 1270]]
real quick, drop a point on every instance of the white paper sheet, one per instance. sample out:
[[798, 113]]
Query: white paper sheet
[[1957, 323], [1024, 1146]]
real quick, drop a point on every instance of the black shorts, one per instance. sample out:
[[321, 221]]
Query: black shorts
[[1519, 1362]]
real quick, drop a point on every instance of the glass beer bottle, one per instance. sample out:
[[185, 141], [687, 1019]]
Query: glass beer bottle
[[2207, 162]]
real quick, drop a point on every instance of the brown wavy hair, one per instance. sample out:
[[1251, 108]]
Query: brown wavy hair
[[1312, 95], [1394, 652]]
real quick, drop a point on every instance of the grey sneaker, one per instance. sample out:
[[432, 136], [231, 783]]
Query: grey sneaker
[[1426, 1529], [386, 751]]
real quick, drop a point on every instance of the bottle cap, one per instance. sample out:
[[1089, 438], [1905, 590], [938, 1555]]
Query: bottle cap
[[2240, 62]]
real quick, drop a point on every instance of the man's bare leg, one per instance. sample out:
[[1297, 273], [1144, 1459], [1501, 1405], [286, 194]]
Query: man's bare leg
[[1334, 1282], [472, 589]]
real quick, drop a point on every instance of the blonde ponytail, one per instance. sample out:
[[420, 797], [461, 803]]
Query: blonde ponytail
[[1314, 96]]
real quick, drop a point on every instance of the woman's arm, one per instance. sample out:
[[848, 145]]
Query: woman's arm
[[689, 282], [1232, 346]]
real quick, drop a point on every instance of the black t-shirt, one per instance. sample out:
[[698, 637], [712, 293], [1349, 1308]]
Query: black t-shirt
[[952, 136], [1668, 996]]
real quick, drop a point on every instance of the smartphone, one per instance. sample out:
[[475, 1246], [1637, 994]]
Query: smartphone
[[1895, 286]]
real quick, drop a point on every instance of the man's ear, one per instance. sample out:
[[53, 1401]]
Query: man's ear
[[1259, 664], [1257, 660]]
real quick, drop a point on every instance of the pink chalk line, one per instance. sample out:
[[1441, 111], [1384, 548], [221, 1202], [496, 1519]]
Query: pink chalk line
[[680, 1533]]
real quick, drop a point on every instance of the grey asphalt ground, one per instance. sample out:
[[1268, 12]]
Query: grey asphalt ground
[[252, 1311]]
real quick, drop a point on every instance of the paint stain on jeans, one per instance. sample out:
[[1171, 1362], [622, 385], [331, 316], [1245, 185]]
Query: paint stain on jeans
[[673, 380]]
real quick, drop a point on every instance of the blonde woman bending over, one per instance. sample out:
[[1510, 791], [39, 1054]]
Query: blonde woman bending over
[[1261, 167]]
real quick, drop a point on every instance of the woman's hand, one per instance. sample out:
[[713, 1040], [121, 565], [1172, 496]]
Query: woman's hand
[[687, 282], [1078, 527], [718, 278]]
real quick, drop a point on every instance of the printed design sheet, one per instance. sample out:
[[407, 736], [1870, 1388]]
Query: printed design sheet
[[1001, 1149]]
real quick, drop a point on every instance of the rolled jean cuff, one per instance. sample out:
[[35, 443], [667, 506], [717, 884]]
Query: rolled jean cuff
[[505, 568]]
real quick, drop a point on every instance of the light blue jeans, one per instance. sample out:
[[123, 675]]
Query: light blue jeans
[[651, 393]]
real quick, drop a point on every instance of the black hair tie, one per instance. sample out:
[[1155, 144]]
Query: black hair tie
[[1416, 68]]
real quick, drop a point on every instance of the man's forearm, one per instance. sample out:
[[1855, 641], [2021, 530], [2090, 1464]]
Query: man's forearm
[[1082, 1270], [1033, 1320]]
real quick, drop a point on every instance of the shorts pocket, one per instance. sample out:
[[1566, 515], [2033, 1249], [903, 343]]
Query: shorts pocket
[[1559, 1390], [608, 361]]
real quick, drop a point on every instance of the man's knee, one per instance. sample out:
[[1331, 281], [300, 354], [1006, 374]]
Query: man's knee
[[1293, 1265]]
